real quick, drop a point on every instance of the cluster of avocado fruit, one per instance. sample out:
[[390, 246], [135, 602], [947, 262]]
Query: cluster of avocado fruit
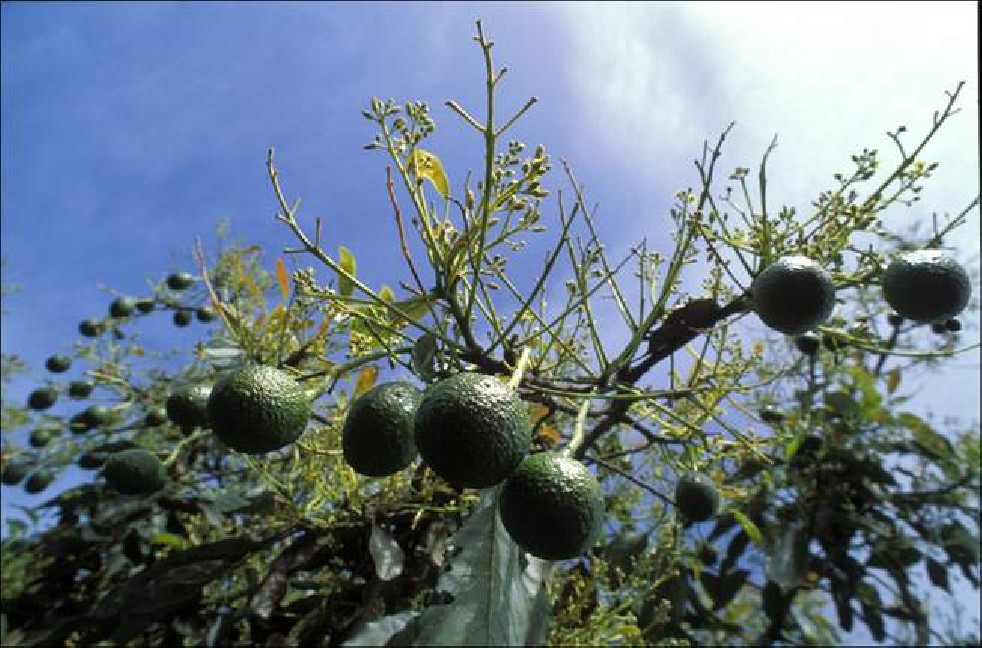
[[795, 294], [473, 431], [124, 307]]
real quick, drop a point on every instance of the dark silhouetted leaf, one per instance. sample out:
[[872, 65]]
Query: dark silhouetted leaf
[[874, 621], [722, 589], [734, 550], [937, 573]]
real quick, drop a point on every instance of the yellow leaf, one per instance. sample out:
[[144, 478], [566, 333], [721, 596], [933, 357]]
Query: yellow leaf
[[347, 263], [749, 527], [549, 432], [365, 380], [537, 411], [893, 380], [282, 278], [424, 164]]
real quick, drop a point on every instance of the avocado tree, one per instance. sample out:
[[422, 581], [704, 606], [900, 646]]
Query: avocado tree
[[516, 478]]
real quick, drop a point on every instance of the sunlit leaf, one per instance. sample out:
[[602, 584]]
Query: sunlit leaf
[[386, 554], [347, 263], [385, 294], [283, 279], [749, 528], [366, 379], [424, 164]]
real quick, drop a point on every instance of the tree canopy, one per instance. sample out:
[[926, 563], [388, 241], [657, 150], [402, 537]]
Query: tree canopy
[[830, 503]]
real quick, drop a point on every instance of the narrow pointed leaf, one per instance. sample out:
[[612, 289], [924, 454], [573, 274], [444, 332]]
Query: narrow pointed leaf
[[347, 263], [282, 279]]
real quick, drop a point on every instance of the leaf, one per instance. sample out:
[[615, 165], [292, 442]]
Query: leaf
[[874, 621], [365, 380], [788, 562], [283, 279], [424, 164], [386, 294], [749, 528], [893, 380], [424, 351], [724, 587], [386, 553], [495, 586], [347, 263], [274, 586], [380, 632], [168, 540], [937, 573]]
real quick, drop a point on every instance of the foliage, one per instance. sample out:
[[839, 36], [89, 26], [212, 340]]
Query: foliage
[[844, 503]]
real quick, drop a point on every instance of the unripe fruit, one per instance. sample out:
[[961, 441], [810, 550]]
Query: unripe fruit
[[122, 307], [38, 481], [145, 305], [58, 363], [696, 497], [134, 472], [80, 388], [90, 328], [807, 343], [179, 280], [926, 286], [205, 314], [182, 318], [793, 295], [42, 398]]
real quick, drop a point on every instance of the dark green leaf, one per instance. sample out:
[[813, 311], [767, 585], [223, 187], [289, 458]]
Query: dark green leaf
[[734, 550], [723, 588], [938, 574], [874, 621]]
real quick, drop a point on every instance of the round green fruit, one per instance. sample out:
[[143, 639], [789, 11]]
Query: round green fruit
[[40, 437], [188, 406], [38, 480], [552, 506], [953, 325], [938, 328], [90, 328], [696, 497], [80, 423], [158, 416], [182, 318], [179, 281], [793, 295], [80, 388], [122, 307], [257, 409], [42, 398], [14, 472], [808, 343], [205, 314], [58, 363], [472, 430], [145, 305], [377, 437], [134, 472], [771, 414], [91, 460], [98, 415], [926, 286]]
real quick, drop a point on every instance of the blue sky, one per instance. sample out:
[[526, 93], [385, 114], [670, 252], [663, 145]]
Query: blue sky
[[130, 128]]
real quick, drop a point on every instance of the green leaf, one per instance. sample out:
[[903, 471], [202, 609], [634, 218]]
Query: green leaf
[[424, 164], [168, 540], [347, 263], [749, 528], [495, 587], [723, 588], [423, 353]]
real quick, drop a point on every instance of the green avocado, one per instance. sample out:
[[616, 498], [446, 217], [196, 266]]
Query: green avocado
[[134, 472], [793, 295], [696, 497], [926, 286], [258, 409], [552, 506], [472, 430], [188, 406], [377, 437]]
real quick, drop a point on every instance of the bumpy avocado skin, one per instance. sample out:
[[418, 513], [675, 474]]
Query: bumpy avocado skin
[[926, 286], [696, 497], [793, 295], [472, 430], [378, 438], [552, 506], [134, 472], [258, 409], [188, 406]]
